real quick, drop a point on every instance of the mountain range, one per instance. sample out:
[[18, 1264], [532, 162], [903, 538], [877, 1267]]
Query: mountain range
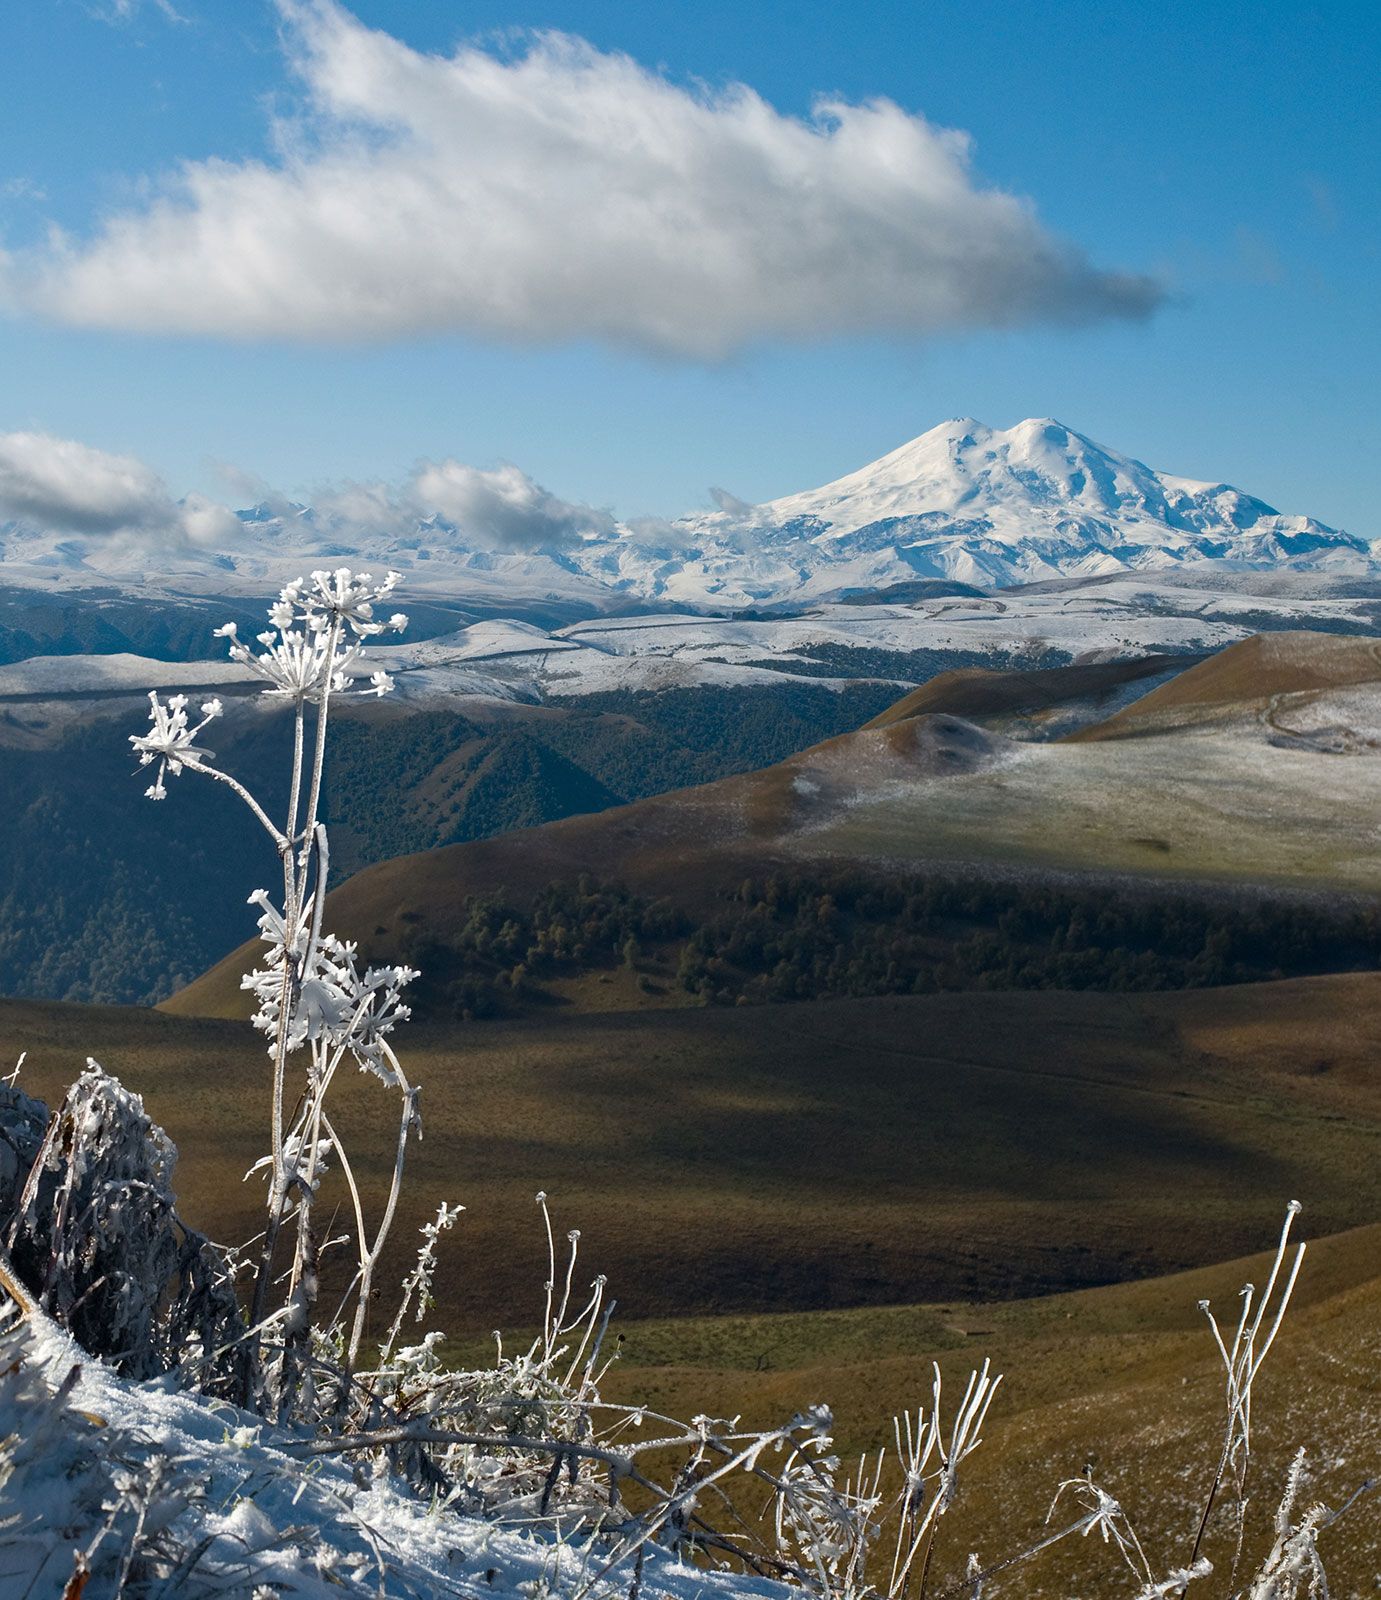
[[963, 503]]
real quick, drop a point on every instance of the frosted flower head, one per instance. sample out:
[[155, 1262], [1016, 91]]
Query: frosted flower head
[[171, 740], [319, 626], [817, 1420], [343, 597], [335, 1002]]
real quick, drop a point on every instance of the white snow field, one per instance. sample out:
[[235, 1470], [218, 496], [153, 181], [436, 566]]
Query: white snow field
[[230, 1510]]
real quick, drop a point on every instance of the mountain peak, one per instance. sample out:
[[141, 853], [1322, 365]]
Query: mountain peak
[[1045, 428]]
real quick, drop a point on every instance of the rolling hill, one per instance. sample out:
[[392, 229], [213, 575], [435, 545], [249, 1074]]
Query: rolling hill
[[1257, 679], [923, 790], [847, 1152], [1044, 703]]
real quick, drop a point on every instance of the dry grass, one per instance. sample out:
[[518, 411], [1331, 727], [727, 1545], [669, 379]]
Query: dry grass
[[1244, 676], [835, 1154], [1122, 1379], [979, 693]]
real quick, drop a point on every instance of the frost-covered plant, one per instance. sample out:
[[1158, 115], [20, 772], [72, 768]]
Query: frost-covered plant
[[546, 1391], [315, 1003], [1258, 1324], [834, 1531], [416, 1294], [1293, 1567]]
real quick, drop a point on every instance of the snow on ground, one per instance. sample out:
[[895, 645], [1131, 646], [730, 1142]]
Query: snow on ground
[[508, 659], [241, 1508], [1003, 627], [1125, 617], [1288, 797], [41, 676]]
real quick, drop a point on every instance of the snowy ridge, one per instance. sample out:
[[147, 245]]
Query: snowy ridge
[[962, 502], [990, 507], [503, 659]]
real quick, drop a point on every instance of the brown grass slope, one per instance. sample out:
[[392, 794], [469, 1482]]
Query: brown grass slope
[[1247, 676], [1122, 1379], [840, 1153], [932, 788], [977, 693]]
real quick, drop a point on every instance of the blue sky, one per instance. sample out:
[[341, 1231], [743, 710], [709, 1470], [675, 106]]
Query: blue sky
[[1231, 153]]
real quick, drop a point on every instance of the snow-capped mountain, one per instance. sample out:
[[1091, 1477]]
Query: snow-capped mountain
[[963, 502], [981, 505]]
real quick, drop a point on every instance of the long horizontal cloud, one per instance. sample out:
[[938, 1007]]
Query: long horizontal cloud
[[566, 193], [64, 486]]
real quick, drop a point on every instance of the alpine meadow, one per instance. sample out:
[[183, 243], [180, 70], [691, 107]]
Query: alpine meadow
[[631, 1041]]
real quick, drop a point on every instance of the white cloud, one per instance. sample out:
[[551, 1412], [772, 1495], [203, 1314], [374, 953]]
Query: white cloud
[[21, 189], [504, 508], [565, 193], [118, 11], [63, 486], [206, 523], [495, 509]]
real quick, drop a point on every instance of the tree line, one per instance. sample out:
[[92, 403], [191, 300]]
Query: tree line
[[801, 936]]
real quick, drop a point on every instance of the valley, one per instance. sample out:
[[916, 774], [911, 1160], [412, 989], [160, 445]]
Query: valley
[[805, 1205], [1244, 781]]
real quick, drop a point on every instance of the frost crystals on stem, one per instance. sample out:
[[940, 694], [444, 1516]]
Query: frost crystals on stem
[[314, 999]]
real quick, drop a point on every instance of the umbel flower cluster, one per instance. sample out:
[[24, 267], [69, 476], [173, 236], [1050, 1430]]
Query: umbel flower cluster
[[315, 1003]]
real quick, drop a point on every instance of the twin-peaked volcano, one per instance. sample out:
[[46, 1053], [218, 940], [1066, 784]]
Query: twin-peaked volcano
[[996, 507]]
